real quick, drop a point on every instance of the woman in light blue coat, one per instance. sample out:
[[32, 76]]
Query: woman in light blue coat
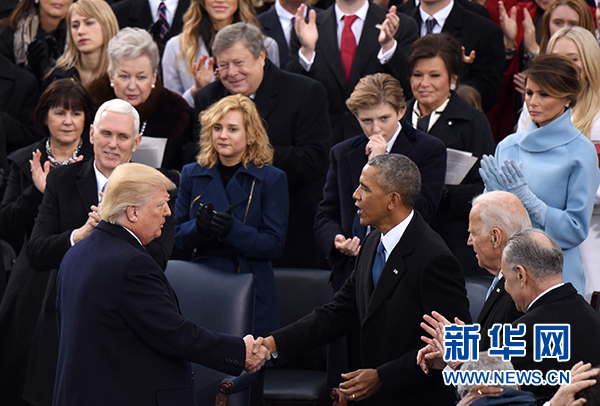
[[232, 205], [551, 166]]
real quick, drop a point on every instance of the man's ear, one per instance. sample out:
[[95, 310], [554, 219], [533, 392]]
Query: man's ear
[[394, 201], [521, 274], [132, 214], [496, 237]]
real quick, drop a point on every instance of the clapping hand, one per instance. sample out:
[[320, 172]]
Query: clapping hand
[[388, 29], [256, 354], [39, 172], [581, 377], [222, 223], [307, 33], [432, 355], [514, 179], [204, 219], [490, 174]]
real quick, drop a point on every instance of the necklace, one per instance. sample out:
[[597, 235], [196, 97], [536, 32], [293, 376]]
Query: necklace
[[143, 128], [55, 161]]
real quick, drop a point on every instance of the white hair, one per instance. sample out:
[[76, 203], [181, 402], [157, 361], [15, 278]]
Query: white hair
[[121, 107]]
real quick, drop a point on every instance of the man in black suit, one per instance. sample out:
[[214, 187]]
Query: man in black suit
[[118, 313], [532, 264], [278, 23], [404, 268], [495, 216], [146, 14], [375, 41], [475, 33], [407, 6], [295, 112]]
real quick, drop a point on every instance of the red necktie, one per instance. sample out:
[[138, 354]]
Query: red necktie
[[348, 45]]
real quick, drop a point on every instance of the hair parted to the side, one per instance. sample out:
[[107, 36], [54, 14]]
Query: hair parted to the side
[[21, 11], [397, 173], [131, 184], [101, 11], [588, 102], [197, 26], [249, 34], [132, 43], [121, 107], [486, 362], [431, 45], [535, 251], [259, 151], [502, 210], [579, 6], [68, 94], [373, 90], [557, 75]]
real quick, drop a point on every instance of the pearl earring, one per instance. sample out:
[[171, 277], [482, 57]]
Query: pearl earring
[[153, 86], [452, 86], [567, 105], [112, 84]]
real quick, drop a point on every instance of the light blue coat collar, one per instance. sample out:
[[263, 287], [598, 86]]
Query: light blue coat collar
[[559, 132]]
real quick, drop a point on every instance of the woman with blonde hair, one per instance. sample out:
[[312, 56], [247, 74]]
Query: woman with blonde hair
[[187, 61], [90, 26], [232, 205]]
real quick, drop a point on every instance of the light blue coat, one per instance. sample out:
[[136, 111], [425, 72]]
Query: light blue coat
[[561, 166]]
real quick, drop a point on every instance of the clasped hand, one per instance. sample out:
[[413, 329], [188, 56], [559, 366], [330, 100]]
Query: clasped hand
[[210, 222], [256, 353]]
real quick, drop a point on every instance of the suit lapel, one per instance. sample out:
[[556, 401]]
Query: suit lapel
[[453, 23], [141, 12], [327, 46], [272, 28], [491, 300], [182, 7], [394, 268], [266, 95], [357, 159], [86, 185], [365, 49]]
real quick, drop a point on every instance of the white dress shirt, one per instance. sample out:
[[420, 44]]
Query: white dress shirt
[[441, 17], [171, 7]]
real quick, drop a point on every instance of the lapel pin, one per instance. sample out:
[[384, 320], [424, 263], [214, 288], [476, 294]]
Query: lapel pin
[[449, 122], [395, 272], [498, 290]]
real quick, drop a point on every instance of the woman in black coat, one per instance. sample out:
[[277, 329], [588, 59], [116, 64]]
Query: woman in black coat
[[63, 116], [434, 65]]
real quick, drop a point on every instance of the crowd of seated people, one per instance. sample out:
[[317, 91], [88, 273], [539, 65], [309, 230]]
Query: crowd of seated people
[[264, 116]]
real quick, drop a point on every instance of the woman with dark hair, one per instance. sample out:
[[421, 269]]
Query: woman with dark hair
[[434, 65], [63, 115], [187, 62], [35, 34], [232, 205], [551, 166]]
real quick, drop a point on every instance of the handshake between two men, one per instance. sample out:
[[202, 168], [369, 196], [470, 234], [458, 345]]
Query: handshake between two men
[[256, 353]]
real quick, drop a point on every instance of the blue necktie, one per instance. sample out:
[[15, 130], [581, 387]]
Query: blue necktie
[[429, 24], [378, 263], [494, 282], [162, 16]]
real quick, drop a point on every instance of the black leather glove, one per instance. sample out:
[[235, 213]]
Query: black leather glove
[[222, 223], [204, 218], [38, 57]]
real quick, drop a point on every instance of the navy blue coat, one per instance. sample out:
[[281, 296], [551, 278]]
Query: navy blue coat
[[337, 211], [259, 197], [123, 340]]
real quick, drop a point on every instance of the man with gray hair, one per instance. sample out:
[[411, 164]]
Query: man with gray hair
[[494, 217], [68, 215], [294, 109], [404, 269], [122, 337], [532, 264]]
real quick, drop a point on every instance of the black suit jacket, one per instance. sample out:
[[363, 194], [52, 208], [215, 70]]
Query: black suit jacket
[[562, 305], [123, 339], [295, 111], [271, 27], [464, 128], [420, 275], [498, 308], [486, 39], [18, 99], [476, 8], [136, 13], [70, 191], [328, 69], [337, 212]]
